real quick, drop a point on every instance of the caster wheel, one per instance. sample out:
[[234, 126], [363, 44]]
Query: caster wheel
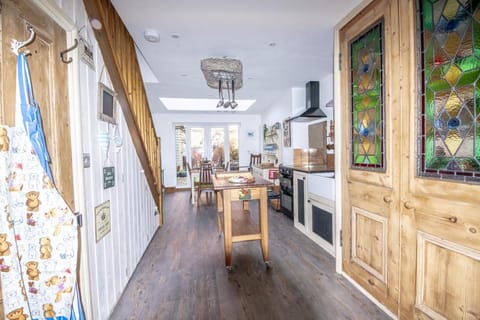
[[229, 268], [267, 265]]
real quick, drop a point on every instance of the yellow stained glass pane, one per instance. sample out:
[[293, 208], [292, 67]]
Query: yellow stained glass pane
[[365, 146], [453, 74], [453, 141], [366, 101], [451, 9], [452, 43], [366, 120], [453, 105]]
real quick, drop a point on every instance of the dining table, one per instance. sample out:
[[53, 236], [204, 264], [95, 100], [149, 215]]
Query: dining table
[[241, 186]]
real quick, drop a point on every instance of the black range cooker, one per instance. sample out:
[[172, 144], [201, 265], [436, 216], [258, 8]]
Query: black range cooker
[[286, 190]]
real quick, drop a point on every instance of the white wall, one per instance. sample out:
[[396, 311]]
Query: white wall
[[113, 259], [165, 127], [291, 103]]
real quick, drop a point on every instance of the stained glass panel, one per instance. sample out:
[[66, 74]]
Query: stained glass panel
[[449, 52], [366, 72]]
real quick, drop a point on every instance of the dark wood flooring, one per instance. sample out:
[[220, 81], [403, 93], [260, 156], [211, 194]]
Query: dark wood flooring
[[182, 274]]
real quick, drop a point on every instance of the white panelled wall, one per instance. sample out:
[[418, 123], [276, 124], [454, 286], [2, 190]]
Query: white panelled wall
[[112, 260]]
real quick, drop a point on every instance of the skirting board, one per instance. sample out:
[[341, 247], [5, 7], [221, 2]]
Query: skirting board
[[370, 297]]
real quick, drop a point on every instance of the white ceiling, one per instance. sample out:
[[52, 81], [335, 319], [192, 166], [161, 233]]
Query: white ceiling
[[301, 29]]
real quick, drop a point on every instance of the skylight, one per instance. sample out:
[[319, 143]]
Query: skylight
[[181, 104]]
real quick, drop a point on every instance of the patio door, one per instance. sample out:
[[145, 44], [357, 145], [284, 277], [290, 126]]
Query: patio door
[[411, 90]]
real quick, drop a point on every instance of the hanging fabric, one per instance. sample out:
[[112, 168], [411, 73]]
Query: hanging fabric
[[38, 231]]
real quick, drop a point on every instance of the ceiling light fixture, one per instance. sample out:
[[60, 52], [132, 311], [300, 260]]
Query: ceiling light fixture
[[223, 73]]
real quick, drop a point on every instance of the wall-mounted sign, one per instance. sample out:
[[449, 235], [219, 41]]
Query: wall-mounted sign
[[108, 177], [102, 220]]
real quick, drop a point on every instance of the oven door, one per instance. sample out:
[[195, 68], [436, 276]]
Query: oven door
[[286, 201], [286, 184]]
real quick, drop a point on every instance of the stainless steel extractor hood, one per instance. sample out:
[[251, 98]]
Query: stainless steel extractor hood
[[312, 100]]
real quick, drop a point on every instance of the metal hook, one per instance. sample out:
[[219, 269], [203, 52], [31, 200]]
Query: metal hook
[[16, 45], [68, 50]]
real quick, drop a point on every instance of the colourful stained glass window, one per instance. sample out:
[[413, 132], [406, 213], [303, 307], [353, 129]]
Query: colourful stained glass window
[[449, 44], [366, 72]]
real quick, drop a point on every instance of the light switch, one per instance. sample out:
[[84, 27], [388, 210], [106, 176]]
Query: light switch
[[86, 160]]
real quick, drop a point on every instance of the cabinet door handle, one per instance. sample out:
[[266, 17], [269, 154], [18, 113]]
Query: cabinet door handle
[[387, 199], [303, 178], [308, 200]]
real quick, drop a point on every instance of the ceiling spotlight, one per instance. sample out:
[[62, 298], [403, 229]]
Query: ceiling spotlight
[[151, 35]]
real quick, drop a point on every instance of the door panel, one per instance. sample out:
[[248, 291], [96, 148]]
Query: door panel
[[370, 219]]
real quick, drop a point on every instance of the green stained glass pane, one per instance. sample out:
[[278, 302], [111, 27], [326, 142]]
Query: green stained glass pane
[[449, 47], [366, 54]]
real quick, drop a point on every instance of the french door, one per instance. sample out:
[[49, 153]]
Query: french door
[[411, 221]]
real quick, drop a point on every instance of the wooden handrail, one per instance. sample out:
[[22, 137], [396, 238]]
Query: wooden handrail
[[118, 51]]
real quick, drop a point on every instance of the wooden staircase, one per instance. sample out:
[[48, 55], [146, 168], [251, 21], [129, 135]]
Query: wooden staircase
[[118, 51]]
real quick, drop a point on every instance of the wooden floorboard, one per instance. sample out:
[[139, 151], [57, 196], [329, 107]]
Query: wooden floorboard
[[182, 274]]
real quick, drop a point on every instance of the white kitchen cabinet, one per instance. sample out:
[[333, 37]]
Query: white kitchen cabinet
[[314, 208]]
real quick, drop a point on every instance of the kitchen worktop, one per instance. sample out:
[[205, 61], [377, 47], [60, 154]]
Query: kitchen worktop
[[310, 169]]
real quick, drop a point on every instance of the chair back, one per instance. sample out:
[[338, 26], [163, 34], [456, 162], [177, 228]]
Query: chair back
[[255, 159], [206, 172]]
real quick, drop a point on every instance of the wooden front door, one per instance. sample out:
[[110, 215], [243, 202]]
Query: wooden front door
[[411, 218], [370, 157], [50, 84]]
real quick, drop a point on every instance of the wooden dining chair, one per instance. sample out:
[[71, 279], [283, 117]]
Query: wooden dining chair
[[205, 182], [254, 160]]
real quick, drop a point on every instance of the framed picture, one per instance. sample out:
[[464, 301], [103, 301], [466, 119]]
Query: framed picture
[[106, 104], [287, 140]]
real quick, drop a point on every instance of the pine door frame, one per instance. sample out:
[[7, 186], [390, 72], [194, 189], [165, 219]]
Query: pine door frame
[[73, 72], [340, 184]]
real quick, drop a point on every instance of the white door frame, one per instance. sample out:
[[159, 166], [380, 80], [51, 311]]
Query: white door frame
[[57, 14]]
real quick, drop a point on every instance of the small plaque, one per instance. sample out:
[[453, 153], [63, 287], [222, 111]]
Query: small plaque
[[245, 194], [102, 220], [108, 177]]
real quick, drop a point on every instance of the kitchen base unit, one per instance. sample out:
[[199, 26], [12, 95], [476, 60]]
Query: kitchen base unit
[[322, 222], [314, 208]]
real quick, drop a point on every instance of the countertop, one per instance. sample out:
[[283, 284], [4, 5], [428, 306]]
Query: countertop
[[309, 169]]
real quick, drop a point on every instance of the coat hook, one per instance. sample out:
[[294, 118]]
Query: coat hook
[[15, 45], [67, 50]]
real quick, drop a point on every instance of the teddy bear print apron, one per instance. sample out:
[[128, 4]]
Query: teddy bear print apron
[[38, 231]]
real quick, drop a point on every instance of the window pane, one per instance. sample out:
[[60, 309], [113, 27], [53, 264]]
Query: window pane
[[366, 72], [218, 142], [449, 112], [233, 146], [180, 152], [197, 146]]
